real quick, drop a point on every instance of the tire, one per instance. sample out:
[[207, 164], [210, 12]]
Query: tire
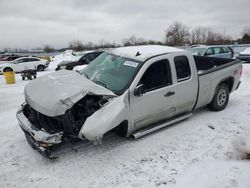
[[220, 98], [122, 129], [7, 69], [40, 68]]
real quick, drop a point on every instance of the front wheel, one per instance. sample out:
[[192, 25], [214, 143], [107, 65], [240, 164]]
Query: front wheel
[[220, 98], [40, 68]]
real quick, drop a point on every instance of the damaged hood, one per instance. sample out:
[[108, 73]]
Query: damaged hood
[[55, 93]]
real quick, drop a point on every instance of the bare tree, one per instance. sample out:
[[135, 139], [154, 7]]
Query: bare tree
[[204, 35], [133, 40], [246, 31], [199, 35], [245, 36], [76, 45], [47, 48], [105, 44], [177, 34]]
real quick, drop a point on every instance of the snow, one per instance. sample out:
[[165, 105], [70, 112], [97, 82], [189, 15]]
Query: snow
[[245, 52], [218, 174], [79, 67], [145, 51], [200, 147], [68, 55]]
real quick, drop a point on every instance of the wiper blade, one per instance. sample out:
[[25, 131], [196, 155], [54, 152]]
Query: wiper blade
[[101, 83], [85, 75]]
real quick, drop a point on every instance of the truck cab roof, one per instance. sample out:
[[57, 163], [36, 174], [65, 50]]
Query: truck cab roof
[[142, 53]]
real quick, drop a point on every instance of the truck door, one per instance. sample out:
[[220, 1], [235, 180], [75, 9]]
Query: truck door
[[186, 83], [158, 101]]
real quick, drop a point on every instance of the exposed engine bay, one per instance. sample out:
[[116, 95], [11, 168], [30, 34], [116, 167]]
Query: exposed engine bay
[[71, 122]]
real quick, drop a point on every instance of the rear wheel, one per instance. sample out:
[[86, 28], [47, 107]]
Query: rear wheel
[[40, 68], [220, 99], [8, 69]]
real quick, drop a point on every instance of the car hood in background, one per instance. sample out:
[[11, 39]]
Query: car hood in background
[[65, 63], [245, 52], [55, 93]]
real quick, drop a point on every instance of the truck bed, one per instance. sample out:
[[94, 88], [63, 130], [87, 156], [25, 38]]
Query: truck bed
[[211, 72], [207, 65]]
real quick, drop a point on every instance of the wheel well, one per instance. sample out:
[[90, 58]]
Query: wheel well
[[229, 82], [122, 128], [40, 65], [7, 68]]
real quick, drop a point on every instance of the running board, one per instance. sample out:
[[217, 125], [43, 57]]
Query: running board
[[147, 130]]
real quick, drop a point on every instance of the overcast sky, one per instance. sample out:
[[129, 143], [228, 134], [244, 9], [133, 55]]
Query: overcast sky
[[33, 23]]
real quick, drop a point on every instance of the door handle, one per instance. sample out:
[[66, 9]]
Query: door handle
[[170, 93]]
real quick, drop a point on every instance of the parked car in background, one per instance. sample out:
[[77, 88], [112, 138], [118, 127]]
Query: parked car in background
[[213, 51], [245, 55], [8, 57], [24, 63], [86, 58]]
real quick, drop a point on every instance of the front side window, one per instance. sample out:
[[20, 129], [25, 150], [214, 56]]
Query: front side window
[[112, 71], [210, 51], [157, 75], [93, 55], [182, 67], [21, 61]]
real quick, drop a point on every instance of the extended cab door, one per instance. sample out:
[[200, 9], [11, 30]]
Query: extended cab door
[[157, 102], [185, 80]]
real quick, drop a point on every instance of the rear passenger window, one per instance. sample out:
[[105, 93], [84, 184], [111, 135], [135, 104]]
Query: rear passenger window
[[182, 67], [218, 50], [33, 59]]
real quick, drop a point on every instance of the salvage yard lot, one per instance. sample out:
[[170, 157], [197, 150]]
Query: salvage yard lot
[[157, 159]]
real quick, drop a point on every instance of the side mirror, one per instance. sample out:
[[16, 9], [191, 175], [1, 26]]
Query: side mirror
[[139, 90]]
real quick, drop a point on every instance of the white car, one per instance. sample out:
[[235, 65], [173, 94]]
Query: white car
[[24, 63], [245, 55]]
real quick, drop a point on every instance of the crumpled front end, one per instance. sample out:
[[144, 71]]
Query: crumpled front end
[[44, 132], [39, 139]]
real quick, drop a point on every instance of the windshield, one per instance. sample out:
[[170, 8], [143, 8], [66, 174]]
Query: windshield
[[197, 51], [111, 71]]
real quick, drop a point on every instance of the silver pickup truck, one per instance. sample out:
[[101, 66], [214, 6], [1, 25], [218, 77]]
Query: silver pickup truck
[[130, 90]]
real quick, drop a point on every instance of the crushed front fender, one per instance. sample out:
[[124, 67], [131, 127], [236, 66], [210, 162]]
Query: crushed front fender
[[38, 135]]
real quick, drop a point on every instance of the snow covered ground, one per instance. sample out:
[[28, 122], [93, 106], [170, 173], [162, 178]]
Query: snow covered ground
[[186, 154]]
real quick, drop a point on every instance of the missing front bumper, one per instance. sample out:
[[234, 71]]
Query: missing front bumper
[[37, 138]]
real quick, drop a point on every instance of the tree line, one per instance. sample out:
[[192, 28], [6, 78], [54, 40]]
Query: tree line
[[177, 34]]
